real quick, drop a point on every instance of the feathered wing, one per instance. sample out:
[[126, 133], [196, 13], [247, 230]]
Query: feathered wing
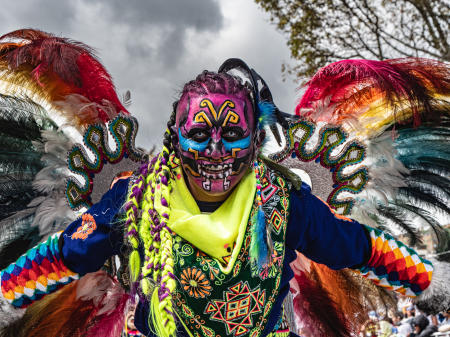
[[373, 137], [62, 72], [38, 69], [43, 76], [400, 110], [32, 177]]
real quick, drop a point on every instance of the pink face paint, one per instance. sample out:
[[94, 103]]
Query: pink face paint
[[215, 135]]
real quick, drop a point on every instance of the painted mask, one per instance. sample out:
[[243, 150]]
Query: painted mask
[[215, 134]]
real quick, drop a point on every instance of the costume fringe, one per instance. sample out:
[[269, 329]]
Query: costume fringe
[[258, 247]]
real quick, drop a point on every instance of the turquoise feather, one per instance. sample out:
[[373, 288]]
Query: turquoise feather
[[266, 114], [258, 247]]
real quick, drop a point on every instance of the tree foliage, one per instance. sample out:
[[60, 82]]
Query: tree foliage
[[324, 31]]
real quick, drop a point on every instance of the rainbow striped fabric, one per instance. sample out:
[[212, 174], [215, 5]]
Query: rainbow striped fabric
[[38, 272], [395, 266]]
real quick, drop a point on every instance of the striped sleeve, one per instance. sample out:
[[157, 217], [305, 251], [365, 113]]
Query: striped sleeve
[[395, 266], [38, 272]]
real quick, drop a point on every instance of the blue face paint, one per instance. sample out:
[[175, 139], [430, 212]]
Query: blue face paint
[[187, 144], [238, 144]]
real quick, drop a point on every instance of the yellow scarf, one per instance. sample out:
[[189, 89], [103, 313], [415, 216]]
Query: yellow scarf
[[218, 234]]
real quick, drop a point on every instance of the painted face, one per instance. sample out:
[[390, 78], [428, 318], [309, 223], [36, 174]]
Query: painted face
[[215, 134]]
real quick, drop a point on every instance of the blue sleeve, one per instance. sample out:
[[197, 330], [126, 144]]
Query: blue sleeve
[[323, 236], [97, 235]]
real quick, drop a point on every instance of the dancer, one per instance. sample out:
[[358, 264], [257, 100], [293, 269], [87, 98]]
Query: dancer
[[211, 225]]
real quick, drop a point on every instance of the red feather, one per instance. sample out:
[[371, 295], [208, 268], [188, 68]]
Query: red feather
[[59, 68], [346, 85], [317, 311], [110, 324], [86, 307]]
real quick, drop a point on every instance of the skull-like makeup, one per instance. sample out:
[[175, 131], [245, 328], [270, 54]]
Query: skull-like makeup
[[215, 134]]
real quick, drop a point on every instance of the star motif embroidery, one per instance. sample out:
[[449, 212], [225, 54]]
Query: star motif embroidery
[[237, 307]]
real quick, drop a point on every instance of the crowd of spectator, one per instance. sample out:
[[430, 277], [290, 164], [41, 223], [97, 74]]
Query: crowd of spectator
[[408, 322]]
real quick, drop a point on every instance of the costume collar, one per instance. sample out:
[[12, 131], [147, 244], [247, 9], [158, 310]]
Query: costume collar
[[220, 233]]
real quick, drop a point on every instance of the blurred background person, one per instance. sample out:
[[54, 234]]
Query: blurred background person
[[422, 327], [400, 328], [444, 326]]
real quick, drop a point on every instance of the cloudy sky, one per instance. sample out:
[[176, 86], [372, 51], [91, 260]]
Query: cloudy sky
[[152, 47]]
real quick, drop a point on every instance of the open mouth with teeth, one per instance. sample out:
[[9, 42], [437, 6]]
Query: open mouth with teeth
[[213, 171]]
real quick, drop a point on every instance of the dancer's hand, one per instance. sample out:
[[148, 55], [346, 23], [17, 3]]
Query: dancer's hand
[[97, 235]]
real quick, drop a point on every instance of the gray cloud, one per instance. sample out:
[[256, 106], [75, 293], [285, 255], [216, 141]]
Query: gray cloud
[[198, 14], [50, 15], [153, 47], [172, 19]]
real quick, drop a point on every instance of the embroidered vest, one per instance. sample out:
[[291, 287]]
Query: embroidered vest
[[211, 303]]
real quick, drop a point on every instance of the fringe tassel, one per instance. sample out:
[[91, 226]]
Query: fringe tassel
[[258, 246], [134, 265], [157, 318], [261, 247]]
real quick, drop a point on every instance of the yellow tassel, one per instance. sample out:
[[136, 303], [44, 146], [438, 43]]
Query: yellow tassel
[[159, 318], [146, 286], [135, 265]]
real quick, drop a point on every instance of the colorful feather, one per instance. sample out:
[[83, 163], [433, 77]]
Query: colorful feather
[[92, 304], [259, 252], [377, 94], [110, 318], [59, 71], [317, 311], [110, 324], [349, 298], [266, 114]]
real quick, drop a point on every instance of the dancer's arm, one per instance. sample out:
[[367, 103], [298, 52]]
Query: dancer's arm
[[82, 248], [326, 237]]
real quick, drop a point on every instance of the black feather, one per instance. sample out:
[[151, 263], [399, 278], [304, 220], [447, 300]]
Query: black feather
[[440, 234], [21, 123], [423, 197], [435, 180], [397, 216]]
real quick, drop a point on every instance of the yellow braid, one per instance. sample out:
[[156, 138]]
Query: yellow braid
[[147, 223], [132, 229], [157, 282], [165, 325]]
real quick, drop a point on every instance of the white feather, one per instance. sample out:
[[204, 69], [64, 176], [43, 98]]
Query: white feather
[[52, 211], [102, 289], [8, 313], [436, 297]]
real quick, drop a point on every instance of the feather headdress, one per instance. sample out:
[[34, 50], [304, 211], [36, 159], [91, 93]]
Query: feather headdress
[[377, 93], [62, 72]]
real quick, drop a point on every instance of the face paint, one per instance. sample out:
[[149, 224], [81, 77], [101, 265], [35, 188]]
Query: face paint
[[215, 135]]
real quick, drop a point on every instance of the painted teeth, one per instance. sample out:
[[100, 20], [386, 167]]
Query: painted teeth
[[215, 171]]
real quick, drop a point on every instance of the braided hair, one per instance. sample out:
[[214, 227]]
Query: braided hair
[[148, 211]]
